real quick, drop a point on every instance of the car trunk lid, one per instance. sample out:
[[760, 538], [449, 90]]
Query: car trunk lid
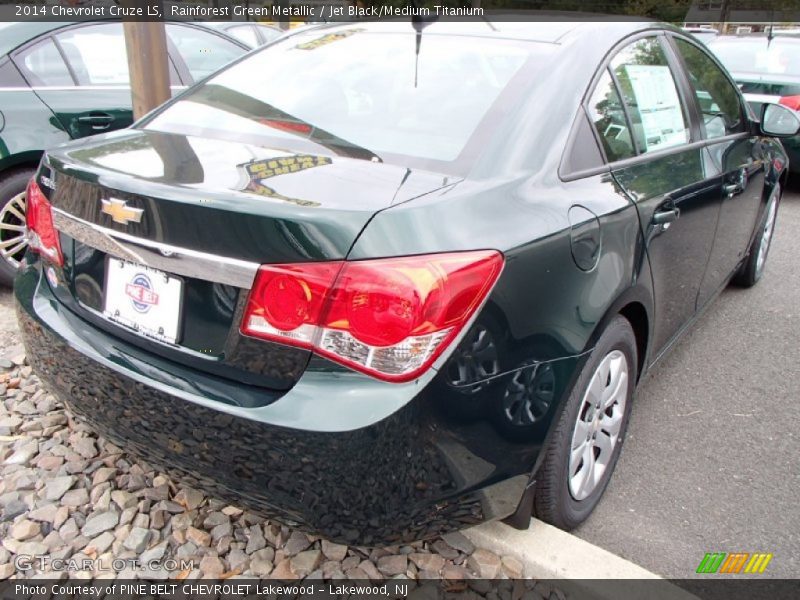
[[152, 219]]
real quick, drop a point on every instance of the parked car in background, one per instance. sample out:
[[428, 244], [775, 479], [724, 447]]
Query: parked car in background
[[61, 81], [704, 34], [248, 32], [414, 286], [766, 70]]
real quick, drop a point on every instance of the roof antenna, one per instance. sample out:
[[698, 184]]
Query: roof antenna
[[419, 23], [771, 34]]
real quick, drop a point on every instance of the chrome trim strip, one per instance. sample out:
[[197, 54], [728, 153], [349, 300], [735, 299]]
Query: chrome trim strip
[[164, 257]]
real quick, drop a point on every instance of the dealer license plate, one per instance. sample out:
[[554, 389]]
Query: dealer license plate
[[145, 300]]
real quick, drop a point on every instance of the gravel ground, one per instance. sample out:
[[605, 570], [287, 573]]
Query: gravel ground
[[68, 494]]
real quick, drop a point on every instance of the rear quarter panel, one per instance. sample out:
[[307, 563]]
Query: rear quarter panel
[[30, 127]]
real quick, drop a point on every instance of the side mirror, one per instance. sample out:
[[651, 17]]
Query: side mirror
[[779, 121]]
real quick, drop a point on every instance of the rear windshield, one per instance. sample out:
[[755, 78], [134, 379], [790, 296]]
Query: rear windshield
[[361, 93], [754, 56]]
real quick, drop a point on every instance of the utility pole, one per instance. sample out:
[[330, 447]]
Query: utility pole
[[146, 43]]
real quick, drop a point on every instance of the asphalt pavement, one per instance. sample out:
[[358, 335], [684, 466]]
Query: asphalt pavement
[[712, 458]]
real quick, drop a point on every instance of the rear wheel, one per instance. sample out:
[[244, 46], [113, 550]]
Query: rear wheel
[[588, 437], [753, 268], [13, 239]]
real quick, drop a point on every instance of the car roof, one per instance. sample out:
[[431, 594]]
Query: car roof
[[551, 27], [759, 39], [14, 34]]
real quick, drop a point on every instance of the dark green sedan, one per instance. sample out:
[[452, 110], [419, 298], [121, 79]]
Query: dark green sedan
[[61, 81], [412, 287]]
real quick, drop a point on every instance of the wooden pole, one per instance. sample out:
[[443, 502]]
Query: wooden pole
[[146, 43]]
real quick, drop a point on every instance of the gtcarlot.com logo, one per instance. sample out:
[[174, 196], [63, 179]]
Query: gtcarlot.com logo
[[24, 562], [734, 563]]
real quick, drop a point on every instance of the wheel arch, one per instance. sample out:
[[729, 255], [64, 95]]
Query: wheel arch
[[29, 159], [636, 305]]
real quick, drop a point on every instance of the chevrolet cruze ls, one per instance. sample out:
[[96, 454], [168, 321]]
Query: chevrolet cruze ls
[[380, 281]]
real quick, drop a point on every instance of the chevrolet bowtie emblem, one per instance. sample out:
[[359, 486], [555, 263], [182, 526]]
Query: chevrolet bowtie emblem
[[120, 212]]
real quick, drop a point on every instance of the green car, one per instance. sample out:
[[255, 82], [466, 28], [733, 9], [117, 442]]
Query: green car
[[63, 81]]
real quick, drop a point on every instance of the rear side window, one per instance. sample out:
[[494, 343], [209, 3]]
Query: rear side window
[[608, 116], [716, 96], [650, 94], [202, 51], [97, 54], [44, 65], [246, 34]]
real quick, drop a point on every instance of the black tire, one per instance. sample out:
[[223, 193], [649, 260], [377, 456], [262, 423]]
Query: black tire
[[12, 183], [750, 272], [554, 501]]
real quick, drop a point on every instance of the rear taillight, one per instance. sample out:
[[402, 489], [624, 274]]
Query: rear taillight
[[792, 102], [390, 318], [42, 235]]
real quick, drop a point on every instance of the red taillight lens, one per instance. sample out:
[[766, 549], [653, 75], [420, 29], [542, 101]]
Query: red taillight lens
[[792, 102], [389, 317], [43, 237], [286, 301]]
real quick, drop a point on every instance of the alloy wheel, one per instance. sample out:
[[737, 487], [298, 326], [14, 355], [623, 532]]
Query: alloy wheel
[[598, 425], [475, 362], [766, 235], [529, 395], [13, 234]]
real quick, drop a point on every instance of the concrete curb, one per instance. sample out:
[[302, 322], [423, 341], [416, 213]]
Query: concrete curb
[[549, 553]]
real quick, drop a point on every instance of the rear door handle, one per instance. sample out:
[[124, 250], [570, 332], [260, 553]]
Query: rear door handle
[[665, 217], [98, 120]]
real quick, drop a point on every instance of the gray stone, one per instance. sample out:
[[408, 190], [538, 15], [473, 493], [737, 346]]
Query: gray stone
[[215, 518], [155, 553], [305, 562], [199, 537], [45, 513], [212, 566], [123, 499], [189, 498], [99, 522], [137, 539], [9, 424], [426, 561], [296, 543], [333, 551], [255, 539], [75, 498], [85, 447], [102, 542], [102, 475], [393, 565], [459, 541], [484, 563], [22, 455], [32, 548], [58, 486], [25, 530], [220, 531]]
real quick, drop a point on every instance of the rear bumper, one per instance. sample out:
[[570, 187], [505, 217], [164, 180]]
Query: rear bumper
[[341, 455]]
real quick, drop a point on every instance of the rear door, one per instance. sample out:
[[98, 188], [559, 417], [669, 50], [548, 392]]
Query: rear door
[[81, 73], [735, 151], [651, 138]]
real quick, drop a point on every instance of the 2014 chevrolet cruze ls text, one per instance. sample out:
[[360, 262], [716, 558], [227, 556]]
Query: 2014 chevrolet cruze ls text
[[379, 281]]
